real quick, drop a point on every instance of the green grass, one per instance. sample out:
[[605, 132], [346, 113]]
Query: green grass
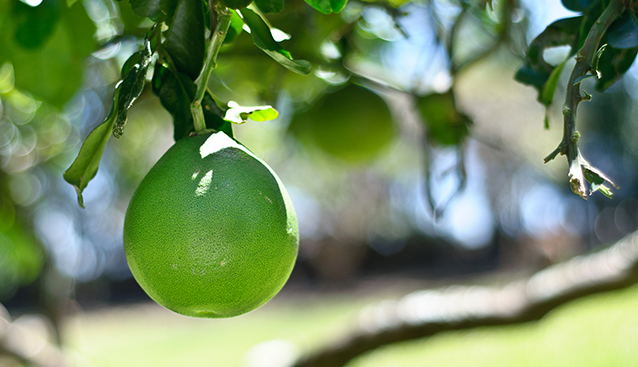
[[598, 331]]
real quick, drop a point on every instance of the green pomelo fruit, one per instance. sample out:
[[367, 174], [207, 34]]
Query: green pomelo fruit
[[211, 231], [352, 124]]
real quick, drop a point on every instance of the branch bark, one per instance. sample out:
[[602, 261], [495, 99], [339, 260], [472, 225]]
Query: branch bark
[[426, 313], [27, 347]]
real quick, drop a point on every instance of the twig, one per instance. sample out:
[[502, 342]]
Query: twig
[[210, 63], [28, 348], [426, 313], [584, 59]]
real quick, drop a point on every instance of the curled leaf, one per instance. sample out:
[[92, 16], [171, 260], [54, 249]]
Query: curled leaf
[[85, 166], [131, 87], [238, 114]]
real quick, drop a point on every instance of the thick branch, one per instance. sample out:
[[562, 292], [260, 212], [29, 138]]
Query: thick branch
[[27, 347], [426, 313]]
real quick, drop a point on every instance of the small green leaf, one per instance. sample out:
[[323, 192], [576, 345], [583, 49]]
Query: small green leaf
[[603, 190], [185, 38], [536, 71], [596, 61], [613, 64], [263, 39], [270, 6], [157, 10], [131, 87], [235, 28], [623, 33], [445, 124], [583, 77], [594, 175], [238, 114], [573, 5], [176, 91], [85, 166], [235, 4], [35, 24], [133, 60], [327, 6], [549, 88], [53, 71]]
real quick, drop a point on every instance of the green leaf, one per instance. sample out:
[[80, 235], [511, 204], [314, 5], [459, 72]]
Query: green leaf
[[52, 72], [238, 114], [444, 123], [270, 6], [578, 5], [547, 96], [583, 77], [613, 64], [263, 39], [157, 10], [85, 166], [185, 38], [623, 33], [598, 180], [327, 6], [235, 28], [176, 91], [235, 4], [536, 71], [132, 86], [596, 61], [35, 24], [129, 19], [130, 63]]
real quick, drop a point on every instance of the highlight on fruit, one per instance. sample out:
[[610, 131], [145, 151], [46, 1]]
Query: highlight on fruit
[[211, 231]]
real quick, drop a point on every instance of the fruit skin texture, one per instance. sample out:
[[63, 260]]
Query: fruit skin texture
[[353, 124], [210, 231]]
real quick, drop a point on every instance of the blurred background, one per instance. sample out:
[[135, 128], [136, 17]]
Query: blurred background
[[427, 172]]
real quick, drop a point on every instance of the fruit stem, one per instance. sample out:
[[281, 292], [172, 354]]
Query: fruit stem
[[213, 47]]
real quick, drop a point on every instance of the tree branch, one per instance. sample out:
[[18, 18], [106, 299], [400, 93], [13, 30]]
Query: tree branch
[[210, 63], [579, 168], [26, 347], [426, 313]]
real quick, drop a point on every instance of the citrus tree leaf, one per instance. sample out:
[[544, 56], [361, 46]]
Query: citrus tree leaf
[[176, 91], [238, 114], [235, 28], [132, 86], [53, 71], [157, 10], [549, 88], [623, 33], [327, 6], [130, 20], [263, 39], [270, 6], [579, 5], [598, 180], [535, 70], [35, 23], [613, 64], [185, 38], [444, 123], [85, 166]]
